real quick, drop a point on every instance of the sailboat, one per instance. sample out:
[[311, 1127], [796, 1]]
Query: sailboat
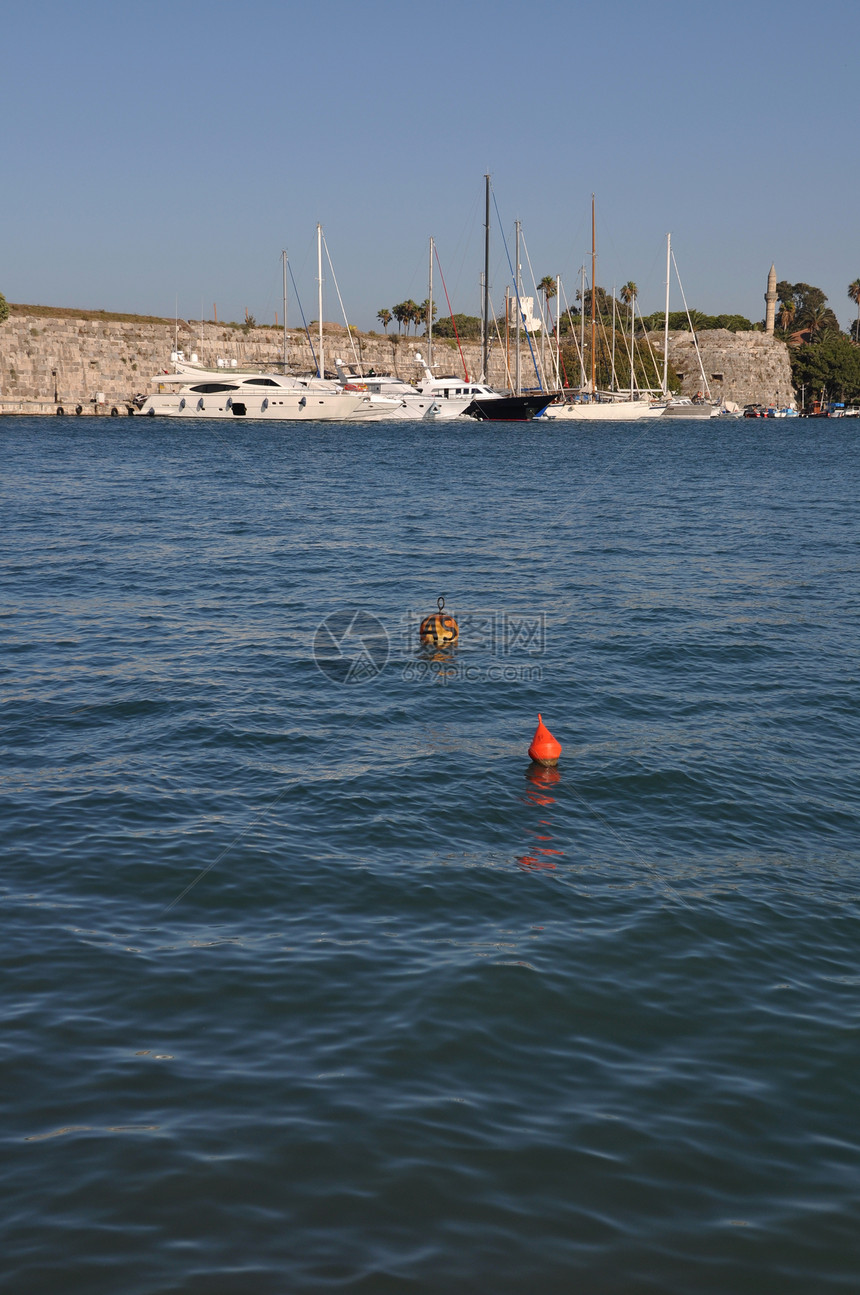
[[699, 406], [591, 405]]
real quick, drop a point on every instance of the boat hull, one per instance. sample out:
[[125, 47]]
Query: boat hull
[[507, 409], [702, 409], [283, 405], [598, 411]]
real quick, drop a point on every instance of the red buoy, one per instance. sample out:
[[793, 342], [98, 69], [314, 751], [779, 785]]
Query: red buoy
[[544, 748]]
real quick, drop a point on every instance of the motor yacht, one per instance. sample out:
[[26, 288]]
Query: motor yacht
[[193, 391]]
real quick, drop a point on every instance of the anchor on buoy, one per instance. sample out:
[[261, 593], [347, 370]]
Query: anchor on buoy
[[439, 630]]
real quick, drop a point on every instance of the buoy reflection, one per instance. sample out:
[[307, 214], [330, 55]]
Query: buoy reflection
[[542, 778]]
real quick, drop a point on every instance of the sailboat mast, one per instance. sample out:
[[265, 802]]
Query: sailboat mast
[[430, 311], [485, 348], [557, 330], [593, 303], [517, 334], [321, 366], [284, 261], [666, 319], [582, 328]]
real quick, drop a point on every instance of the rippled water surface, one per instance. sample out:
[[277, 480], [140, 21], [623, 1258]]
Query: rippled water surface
[[314, 985]]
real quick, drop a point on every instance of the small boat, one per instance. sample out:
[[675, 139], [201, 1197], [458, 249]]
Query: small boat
[[690, 407]]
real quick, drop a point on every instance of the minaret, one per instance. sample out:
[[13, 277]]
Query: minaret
[[770, 298]]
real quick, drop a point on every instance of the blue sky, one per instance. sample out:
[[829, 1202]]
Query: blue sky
[[155, 152]]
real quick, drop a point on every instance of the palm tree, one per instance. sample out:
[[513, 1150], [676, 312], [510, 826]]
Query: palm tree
[[817, 321], [787, 311], [424, 314], [629, 292], [402, 314], [547, 286], [385, 317], [854, 294]]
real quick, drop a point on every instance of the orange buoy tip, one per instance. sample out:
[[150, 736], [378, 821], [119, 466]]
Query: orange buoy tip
[[545, 749]]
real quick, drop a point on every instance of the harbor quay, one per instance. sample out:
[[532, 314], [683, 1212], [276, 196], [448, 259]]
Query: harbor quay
[[100, 365]]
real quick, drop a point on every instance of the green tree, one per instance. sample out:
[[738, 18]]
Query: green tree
[[424, 310], [4, 308], [547, 286], [787, 312], [854, 294], [385, 317], [628, 294], [812, 315], [831, 365], [602, 302], [467, 326], [405, 312]]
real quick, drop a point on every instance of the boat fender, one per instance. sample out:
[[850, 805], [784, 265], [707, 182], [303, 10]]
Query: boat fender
[[114, 413], [303, 402], [439, 630], [60, 410], [79, 409]]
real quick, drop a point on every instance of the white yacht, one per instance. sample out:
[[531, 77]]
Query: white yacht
[[452, 397], [400, 399], [441, 398], [193, 391]]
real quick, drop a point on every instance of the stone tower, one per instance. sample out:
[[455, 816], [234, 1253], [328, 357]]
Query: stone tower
[[770, 299]]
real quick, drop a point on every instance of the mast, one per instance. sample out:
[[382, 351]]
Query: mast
[[284, 260], [321, 364], [632, 343], [519, 312], [593, 304], [582, 329], [557, 330], [485, 347], [666, 319], [430, 312]]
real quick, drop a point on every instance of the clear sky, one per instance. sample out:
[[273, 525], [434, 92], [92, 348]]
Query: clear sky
[[161, 153]]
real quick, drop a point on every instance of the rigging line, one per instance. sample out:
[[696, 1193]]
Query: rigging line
[[302, 313], [573, 331], [541, 376], [648, 340], [342, 310], [692, 329], [450, 311], [521, 318], [501, 345]]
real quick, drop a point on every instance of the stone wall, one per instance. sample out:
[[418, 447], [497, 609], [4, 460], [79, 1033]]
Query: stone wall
[[49, 361], [749, 368]]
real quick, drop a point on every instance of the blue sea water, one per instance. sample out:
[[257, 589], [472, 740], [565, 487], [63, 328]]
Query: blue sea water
[[311, 982]]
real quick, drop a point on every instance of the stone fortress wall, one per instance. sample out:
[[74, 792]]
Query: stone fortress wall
[[47, 361]]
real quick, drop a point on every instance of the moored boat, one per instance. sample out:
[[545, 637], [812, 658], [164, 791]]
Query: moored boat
[[196, 392]]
